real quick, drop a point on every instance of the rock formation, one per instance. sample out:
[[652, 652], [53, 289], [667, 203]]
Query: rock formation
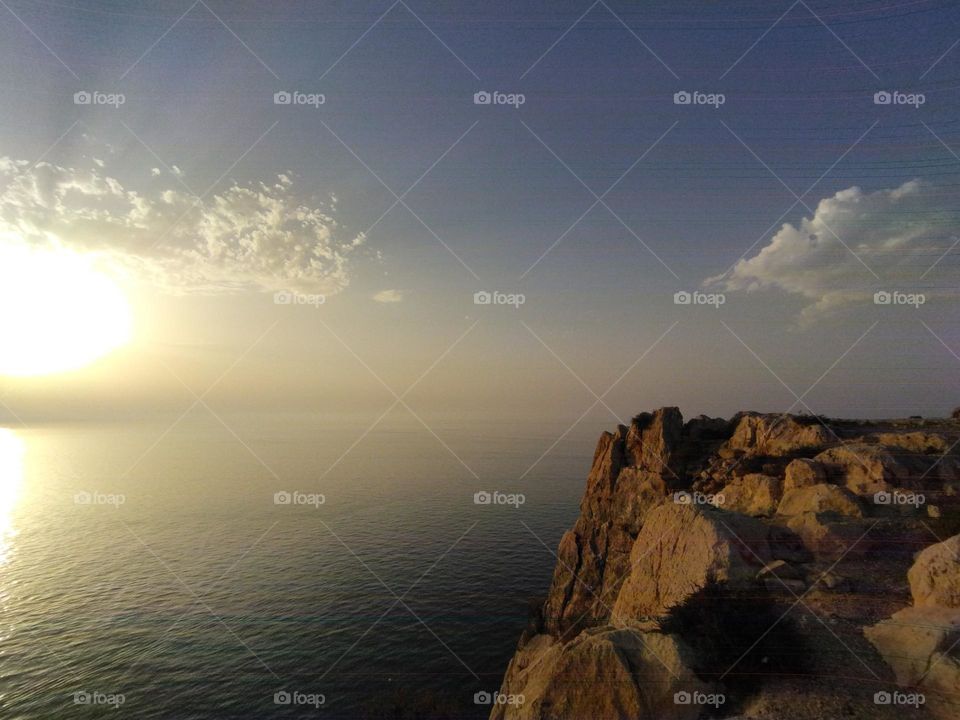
[[738, 568]]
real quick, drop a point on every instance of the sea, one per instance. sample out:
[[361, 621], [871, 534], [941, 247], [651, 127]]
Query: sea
[[275, 566]]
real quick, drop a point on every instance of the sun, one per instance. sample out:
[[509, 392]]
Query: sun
[[57, 312]]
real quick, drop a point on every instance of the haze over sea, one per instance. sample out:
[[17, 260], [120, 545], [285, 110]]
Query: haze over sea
[[192, 593]]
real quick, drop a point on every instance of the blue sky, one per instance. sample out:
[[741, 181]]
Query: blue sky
[[509, 200]]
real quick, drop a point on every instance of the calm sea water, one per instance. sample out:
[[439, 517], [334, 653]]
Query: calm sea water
[[185, 587]]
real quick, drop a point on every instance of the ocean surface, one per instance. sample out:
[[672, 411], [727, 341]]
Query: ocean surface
[[150, 572]]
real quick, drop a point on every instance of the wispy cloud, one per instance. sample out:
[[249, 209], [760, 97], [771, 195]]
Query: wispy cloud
[[388, 296], [260, 237]]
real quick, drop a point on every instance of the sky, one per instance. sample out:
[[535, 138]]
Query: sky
[[585, 196]]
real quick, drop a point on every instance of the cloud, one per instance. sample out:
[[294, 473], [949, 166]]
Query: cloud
[[896, 233], [259, 237], [388, 296]]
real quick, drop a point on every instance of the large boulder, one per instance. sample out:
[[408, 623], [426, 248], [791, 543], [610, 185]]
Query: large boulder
[[777, 434], [915, 442], [820, 499], [909, 638], [829, 535], [868, 469], [922, 647], [605, 673], [935, 575], [754, 494], [803, 472], [685, 549]]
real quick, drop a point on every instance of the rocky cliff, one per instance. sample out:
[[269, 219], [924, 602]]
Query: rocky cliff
[[767, 566]]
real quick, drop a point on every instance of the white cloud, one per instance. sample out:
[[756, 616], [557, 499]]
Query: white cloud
[[255, 237], [388, 296], [897, 233]]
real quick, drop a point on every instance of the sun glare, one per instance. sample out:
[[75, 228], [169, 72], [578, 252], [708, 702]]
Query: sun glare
[[57, 312]]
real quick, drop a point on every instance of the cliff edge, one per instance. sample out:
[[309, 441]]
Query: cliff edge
[[782, 567]]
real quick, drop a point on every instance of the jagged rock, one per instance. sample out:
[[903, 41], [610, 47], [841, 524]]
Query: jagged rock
[[935, 575], [605, 673], [830, 536], [820, 498], [753, 494], [868, 469], [916, 442], [907, 640], [803, 472], [777, 434], [653, 441], [684, 549], [920, 644], [632, 472]]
